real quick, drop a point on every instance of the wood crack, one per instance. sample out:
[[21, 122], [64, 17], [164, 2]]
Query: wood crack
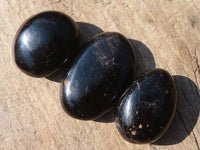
[[190, 104], [182, 120], [197, 70], [196, 141]]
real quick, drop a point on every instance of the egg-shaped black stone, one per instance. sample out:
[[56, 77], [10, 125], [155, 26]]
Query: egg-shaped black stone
[[99, 76], [147, 107], [45, 42]]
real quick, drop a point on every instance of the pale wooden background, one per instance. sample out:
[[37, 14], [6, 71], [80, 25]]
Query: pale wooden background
[[31, 116]]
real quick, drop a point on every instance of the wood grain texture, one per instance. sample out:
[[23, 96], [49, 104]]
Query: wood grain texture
[[165, 33]]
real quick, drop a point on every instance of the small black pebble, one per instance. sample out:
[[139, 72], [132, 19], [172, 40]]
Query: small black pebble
[[147, 107], [99, 76], [45, 42]]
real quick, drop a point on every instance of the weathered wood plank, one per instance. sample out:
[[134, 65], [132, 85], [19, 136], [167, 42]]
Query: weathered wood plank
[[166, 34]]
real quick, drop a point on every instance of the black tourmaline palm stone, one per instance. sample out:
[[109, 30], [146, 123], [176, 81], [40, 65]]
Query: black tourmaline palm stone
[[45, 42], [99, 76], [147, 107]]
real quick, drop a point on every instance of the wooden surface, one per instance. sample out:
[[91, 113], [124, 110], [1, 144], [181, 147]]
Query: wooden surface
[[165, 33]]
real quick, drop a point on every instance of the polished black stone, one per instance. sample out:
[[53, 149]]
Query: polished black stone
[[99, 76], [45, 42], [147, 107]]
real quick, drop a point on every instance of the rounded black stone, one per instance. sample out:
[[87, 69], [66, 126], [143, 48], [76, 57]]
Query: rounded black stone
[[99, 76], [45, 42], [147, 107]]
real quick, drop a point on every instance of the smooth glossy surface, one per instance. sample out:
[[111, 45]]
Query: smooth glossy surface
[[147, 107], [98, 77], [44, 42]]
